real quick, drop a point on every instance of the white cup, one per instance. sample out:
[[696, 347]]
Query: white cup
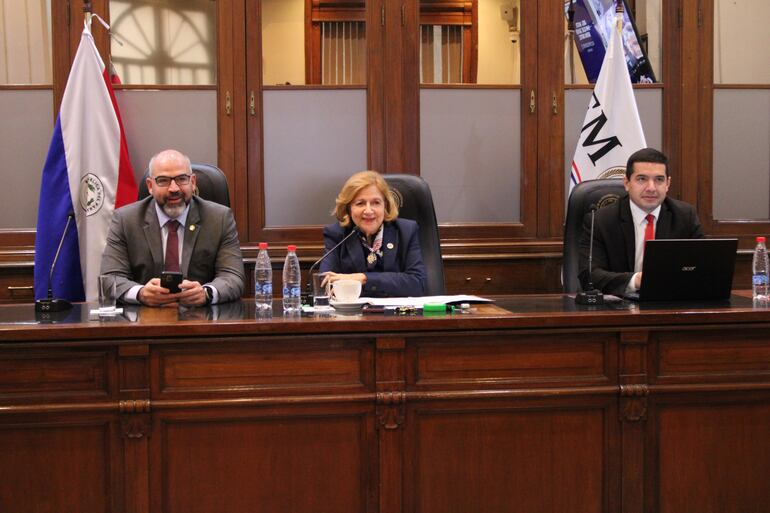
[[346, 291], [107, 297]]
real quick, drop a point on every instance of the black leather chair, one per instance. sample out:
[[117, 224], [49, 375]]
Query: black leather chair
[[210, 180], [597, 192], [417, 204]]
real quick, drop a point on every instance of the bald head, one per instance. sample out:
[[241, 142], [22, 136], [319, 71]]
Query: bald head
[[169, 157]]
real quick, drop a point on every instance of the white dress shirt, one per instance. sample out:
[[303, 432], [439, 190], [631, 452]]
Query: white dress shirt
[[640, 224]]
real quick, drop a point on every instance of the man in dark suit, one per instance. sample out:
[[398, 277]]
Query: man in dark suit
[[620, 229], [173, 230]]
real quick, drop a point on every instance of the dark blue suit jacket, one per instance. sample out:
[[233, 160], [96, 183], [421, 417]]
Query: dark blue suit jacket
[[404, 270]]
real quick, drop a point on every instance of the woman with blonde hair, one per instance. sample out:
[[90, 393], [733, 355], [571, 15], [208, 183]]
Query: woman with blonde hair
[[384, 254]]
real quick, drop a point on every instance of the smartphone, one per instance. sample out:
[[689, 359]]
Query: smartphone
[[171, 281]]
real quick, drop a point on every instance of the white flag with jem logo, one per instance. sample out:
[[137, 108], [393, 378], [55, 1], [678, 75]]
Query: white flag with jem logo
[[611, 130]]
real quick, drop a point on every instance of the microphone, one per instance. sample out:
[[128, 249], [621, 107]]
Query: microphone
[[591, 296], [309, 285], [50, 304]]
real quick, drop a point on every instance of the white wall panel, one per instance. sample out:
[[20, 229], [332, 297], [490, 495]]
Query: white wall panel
[[470, 153], [27, 125], [741, 154], [314, 140], [156, 120]]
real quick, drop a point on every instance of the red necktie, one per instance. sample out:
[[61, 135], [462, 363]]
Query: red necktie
[[649, 230], [171, 262]]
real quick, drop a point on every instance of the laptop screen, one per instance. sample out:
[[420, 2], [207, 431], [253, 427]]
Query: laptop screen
[[688, 269]]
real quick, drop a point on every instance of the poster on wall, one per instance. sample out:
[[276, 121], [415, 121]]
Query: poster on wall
[[594, 19]]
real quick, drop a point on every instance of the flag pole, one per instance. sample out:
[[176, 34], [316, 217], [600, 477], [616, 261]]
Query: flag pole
[[88, 10], [619, 15]]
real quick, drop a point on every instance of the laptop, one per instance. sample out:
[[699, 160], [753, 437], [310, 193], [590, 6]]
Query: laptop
[[688, 269]]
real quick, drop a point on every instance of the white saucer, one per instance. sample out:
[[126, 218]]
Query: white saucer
[[350, 307]]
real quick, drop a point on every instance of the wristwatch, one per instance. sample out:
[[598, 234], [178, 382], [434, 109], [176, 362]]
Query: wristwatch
[[209, 294]]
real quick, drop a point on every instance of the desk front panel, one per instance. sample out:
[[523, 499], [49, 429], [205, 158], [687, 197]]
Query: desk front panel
[[543, 407]]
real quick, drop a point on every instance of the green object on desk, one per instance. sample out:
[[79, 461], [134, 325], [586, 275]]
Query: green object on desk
[[436, 309]]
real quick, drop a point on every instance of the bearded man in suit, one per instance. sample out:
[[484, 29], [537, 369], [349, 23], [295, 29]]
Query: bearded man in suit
[[621, 229], [173, 230]]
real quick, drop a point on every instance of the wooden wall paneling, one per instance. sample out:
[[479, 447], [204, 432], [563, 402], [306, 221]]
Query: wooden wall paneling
[[541, 408], [531, 177], [375, 87], [537, 455], [67, 375], [633, 416], [697, 76], [409, 161], [235, 151], [550, 108], [705, 403], [401, 92], [59, 429], [683, 181], [391, 370], [510, 417], [255, 207], [492, 276], [505, 360], [312, 46], [701, 14], [231, 101], [701, 460], [474, 43], [16, 283], [61, 55], [135, 420], [60, 463], [287, 457], [291, 366]]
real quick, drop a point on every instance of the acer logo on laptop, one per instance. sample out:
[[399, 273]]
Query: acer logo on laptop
[[688, 268]]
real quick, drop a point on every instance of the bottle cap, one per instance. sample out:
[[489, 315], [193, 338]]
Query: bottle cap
[[760, 239], [291, 247], [263, 245]]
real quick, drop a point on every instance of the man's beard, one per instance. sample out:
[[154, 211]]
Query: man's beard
[[174, 211]]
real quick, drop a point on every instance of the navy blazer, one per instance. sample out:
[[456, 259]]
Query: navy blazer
[[614, 241], [404, 271]]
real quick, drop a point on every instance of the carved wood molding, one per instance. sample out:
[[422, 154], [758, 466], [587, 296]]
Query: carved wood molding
[[633, 402], [390, 409], [134, 406], [636, 337], [136, 426], [135, 418]]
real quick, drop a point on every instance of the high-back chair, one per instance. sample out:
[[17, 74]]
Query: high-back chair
[[210, 181], [591, 192], [417, 205]]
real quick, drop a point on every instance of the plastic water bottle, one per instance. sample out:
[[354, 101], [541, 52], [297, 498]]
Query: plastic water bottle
[[759, 266], [263, 279], [292, 282]]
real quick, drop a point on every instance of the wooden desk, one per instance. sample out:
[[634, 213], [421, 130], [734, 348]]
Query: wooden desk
[[530, 405]]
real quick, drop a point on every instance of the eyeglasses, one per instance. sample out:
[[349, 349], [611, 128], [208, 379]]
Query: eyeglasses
[[165, 181]]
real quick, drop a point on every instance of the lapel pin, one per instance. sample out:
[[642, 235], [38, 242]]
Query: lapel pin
[[390, 245], [192, 227]]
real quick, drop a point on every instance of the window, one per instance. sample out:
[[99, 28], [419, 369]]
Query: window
[[171, 42]]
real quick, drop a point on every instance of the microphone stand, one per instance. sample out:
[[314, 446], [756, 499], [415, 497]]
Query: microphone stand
[[592, 296], [309, 285], [50, 304]]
